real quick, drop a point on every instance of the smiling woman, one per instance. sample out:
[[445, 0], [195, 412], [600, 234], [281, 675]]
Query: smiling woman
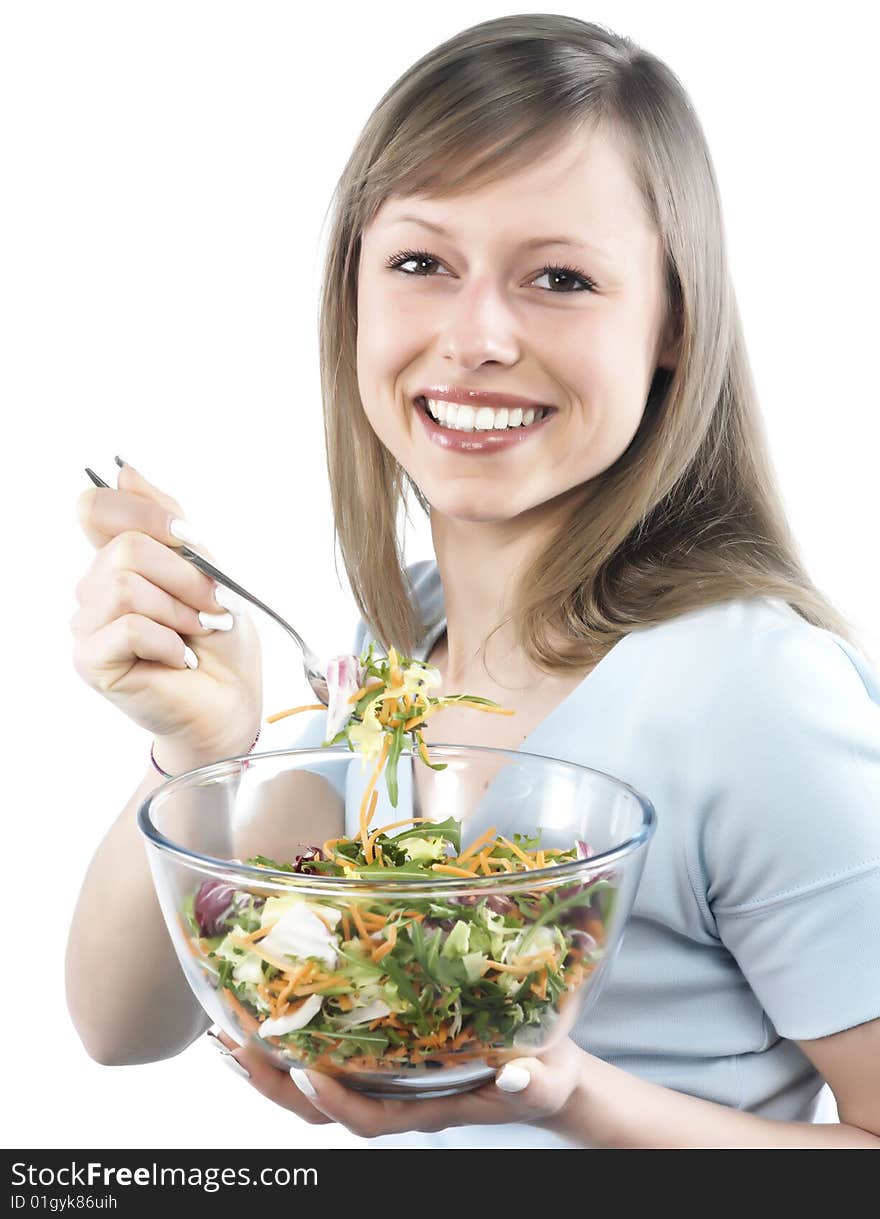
[[576, 259], [528, 322]]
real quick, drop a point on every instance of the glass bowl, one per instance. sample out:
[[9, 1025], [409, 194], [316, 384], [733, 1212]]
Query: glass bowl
[[399, 986]]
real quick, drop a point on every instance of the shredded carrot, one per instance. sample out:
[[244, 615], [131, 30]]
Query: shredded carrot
[[253, 936], [325, 919], [384, 949], [516, 850], [361, 928], [449, 870], [279, 715], [346, 926], [284, 966], [366, 813], [490, 833], [368, 817], [297, 976], [524, 967], [327, 847]]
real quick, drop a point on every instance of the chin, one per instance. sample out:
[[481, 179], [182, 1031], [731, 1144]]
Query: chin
[[474, 506]]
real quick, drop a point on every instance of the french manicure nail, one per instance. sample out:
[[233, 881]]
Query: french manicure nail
[[303, 1082], [183, 530], [236, 1066], [513, 1079], [189, 656], [119, 461], [227, 598], [216, 622]]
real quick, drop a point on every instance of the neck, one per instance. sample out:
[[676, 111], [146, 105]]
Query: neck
[[479, 564]]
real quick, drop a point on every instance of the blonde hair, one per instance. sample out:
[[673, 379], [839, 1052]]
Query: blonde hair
[[690, 515]]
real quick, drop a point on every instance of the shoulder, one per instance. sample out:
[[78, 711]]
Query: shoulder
[[754, 653], [785, 759]]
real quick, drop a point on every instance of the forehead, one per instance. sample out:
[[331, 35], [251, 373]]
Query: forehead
[[582, 191]]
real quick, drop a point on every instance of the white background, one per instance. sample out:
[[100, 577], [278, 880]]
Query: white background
[[167, 168]]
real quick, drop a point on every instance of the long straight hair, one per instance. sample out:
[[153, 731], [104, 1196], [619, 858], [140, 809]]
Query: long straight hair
[[690, 514]]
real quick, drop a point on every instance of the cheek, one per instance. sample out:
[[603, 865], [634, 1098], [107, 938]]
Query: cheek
[[387, 335], [607, 376]]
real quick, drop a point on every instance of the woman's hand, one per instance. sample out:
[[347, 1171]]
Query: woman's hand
[[137, 630], [544, 1086]]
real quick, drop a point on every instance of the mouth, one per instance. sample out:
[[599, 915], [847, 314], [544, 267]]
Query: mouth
[[483, 420]]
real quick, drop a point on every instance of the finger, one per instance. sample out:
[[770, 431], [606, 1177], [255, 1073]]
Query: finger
[[136, 574], [103, 513], [130, 479], [539, 1092], [274, 1084], [110, 654]]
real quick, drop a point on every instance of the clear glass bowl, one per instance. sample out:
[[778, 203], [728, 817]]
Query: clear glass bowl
[[481, 970]]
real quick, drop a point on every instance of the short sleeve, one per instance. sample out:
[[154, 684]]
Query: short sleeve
[[789, 831]]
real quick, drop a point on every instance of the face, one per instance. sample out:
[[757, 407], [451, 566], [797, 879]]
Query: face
[[477, 310]]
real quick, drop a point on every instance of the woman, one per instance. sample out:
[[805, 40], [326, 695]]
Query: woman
[[528, 321]]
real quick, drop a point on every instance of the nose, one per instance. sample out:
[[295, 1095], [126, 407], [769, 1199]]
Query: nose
[[480, 327]]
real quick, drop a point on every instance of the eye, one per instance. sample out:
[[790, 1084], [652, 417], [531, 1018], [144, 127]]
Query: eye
[[397, 261], [571, 275]]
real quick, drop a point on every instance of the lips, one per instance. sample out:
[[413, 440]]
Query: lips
[[479, 397], [478, 441]]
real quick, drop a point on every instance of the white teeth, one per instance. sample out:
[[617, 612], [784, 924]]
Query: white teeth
[[464, 418]]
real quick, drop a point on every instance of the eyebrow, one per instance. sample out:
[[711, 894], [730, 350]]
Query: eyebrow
[[532, 244]]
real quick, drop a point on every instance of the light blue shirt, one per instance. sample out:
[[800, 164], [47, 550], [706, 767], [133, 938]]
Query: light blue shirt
[[756, 736]]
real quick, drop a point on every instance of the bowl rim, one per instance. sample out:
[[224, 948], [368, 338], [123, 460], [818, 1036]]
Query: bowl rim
[[342, 884]]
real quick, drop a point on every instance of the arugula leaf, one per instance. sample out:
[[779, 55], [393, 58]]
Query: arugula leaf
[[450, 829], [407, 871], [371, 1041], [262, 861], [391, 765]]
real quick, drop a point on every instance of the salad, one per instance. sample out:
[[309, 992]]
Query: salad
[[376, 703], [372, 982]]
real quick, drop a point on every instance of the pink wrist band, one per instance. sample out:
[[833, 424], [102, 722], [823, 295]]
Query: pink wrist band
[[165, 774]]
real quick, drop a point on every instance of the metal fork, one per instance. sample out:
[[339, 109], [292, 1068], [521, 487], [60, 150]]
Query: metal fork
[[314, 670]]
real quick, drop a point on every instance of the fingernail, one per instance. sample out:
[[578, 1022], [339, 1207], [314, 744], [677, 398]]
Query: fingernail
[[192, 661], [183, 530], [513, 1079], [119, 461], [227, 598], [216, 622], [235, 1065], [228, 1056], [303, 1082]]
